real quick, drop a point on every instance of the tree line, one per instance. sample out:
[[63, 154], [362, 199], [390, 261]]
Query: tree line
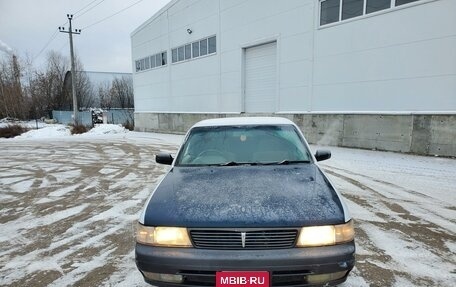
[[29, 93]]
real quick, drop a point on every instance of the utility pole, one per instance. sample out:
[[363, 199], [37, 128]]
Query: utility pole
[[73, 75]]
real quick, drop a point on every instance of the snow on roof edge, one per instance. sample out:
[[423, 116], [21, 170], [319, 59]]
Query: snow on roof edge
[[241, 121]]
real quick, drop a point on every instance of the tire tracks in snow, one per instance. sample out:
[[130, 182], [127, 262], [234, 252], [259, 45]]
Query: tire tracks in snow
[[416, 230], [110, 180]]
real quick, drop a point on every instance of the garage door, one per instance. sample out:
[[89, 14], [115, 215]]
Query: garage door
[[260, 78]]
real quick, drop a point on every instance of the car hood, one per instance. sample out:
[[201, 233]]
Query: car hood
[[244, 196]]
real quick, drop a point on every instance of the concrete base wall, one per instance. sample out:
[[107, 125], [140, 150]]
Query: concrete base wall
[[418, 134]]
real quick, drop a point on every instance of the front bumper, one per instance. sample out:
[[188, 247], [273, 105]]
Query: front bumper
[[287, 267]]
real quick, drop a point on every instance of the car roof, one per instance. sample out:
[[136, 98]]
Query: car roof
[[243, 121]]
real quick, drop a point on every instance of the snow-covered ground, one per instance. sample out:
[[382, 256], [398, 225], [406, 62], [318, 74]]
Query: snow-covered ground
[[68, 205]]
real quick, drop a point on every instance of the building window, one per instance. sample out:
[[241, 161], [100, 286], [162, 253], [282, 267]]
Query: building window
[[377, 5], [203, 47], [164, 58], [402, 2], [147, 63], [212, 45], [158, 60], [188, 51], [180, 54], [196, 49], [151, 62], [352, 8], [332, 11], [329, 11], [174, 55], [138, 66], [206, 46]]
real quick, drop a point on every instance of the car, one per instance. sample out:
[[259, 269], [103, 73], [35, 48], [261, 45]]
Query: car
[[245, 204]]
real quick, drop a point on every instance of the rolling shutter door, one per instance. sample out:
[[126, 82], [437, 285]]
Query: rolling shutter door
[[260, 78]]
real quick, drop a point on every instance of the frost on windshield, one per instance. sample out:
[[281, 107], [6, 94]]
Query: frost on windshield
[[244, 144]]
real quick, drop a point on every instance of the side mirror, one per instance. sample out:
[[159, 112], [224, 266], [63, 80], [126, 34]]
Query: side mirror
[[321, 155], [164, 158]]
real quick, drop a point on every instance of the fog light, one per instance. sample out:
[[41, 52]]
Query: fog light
[[164, 277], [323, 278]]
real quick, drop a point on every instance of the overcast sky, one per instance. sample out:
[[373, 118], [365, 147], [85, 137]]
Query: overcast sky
[[27, 25]]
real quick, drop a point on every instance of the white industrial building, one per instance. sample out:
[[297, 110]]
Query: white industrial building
[[331, 65]]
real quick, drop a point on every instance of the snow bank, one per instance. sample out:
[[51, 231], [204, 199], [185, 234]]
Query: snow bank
[[26, 124], [62, 131], [102, 129], [51, 131]]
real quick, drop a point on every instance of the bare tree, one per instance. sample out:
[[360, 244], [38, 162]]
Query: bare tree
[[84, 88], [122, 92], [51, 89], [104, 95], [46, 88], [29, 93], [12, 100]]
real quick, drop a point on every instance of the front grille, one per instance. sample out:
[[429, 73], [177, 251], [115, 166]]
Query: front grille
[[251, 239]]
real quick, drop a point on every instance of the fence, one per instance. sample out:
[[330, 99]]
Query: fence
[[114, 116]]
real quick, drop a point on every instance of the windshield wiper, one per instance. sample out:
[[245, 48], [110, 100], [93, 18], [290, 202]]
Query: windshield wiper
[[284, 162], [293, 161], [230, 163], [234, 163]]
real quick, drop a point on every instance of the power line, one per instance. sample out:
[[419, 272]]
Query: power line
[[54, 35], [118, 12], [56, 31], [89, 8], [47, 44], [75, 13], [61, 48]]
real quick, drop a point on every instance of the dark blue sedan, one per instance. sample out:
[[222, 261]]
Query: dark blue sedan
[[245, 204]]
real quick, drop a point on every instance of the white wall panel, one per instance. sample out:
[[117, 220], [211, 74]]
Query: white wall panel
[[417, 59], [295, 73], [400, 60], [231, 60], [294, 99], [231, 82], [230, 102], [238, 27], [193, 13], [430, 20], [416, 94], [396, 61], [296, 47]]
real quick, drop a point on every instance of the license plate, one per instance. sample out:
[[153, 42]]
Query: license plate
[[242, 278]]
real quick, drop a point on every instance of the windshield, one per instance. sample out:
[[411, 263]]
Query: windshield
[[232, 145]]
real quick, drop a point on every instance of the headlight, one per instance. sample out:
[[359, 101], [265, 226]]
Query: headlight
[[163, 236], [326, 235]]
